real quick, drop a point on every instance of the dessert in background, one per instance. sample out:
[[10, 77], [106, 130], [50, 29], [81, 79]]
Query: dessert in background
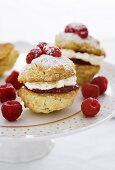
[[8, 57], [49, 80], [84, 50]]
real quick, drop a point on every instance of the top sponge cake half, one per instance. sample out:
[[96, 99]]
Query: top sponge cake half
[[47, 69]]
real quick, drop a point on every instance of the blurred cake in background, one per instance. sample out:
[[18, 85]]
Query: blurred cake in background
[[84, 50], [8, 57]]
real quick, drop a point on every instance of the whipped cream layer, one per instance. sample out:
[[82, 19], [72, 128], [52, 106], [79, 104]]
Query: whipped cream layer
[[71, 81], [65, 37], [91, 58]]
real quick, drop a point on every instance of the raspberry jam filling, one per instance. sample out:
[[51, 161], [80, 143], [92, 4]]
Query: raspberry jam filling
[[61, 90], [78, 61]]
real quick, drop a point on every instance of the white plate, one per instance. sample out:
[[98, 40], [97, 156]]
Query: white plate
[[59, 123]]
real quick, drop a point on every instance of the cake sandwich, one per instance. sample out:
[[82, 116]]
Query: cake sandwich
[[84, 50], [49, 80]]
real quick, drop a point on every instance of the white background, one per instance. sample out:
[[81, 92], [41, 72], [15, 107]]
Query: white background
[[37, 20], [40, 20]]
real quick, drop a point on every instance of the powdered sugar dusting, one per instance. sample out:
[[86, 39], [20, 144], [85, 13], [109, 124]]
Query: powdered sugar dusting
[[52, 50], [65, 37], [49, 49], [25, 68], [77, 25], [49, 62]]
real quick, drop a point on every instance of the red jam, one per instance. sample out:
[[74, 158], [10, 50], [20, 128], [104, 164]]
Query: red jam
[[78, 61], [61, 90]]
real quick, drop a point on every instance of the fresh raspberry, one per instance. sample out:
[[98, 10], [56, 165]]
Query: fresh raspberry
[[90, 90], [7, 92], [11, 110], [41, 45], [51, 50], [13, 79], [90, 107], [102, 82], [34, 53], [77, 28]]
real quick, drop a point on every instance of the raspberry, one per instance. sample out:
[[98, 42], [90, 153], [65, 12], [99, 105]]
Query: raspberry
[[102, 82], [11, 110], [7, 92], [77, 28], [13, 79], [41, 45], [90, 107], [34, 53], [90, 90], [51, 50]]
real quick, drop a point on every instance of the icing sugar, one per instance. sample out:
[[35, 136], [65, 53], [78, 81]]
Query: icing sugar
[[49, 49], [78, 25], [65, 37], [49, 62]]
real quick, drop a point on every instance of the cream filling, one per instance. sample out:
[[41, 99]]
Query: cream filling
[[65, 37], [71, 81], [92, 59]]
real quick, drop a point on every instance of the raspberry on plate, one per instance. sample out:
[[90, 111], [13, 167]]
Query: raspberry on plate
[[7, 92], [77, 28], [41, 45], [13, 79], [102, 82], [11, 110], [90, 107], [51, 50], [90, 90], [34, 53]]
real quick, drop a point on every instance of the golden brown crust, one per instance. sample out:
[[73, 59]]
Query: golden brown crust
[[39, 74], [85, 73], [46, 103], [5, 50], [81, 47], [8, 62]]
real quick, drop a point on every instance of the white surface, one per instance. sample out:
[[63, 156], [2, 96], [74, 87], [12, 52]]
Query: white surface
[[90, 150], [26, 20], [31, 151], [40, 20]]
